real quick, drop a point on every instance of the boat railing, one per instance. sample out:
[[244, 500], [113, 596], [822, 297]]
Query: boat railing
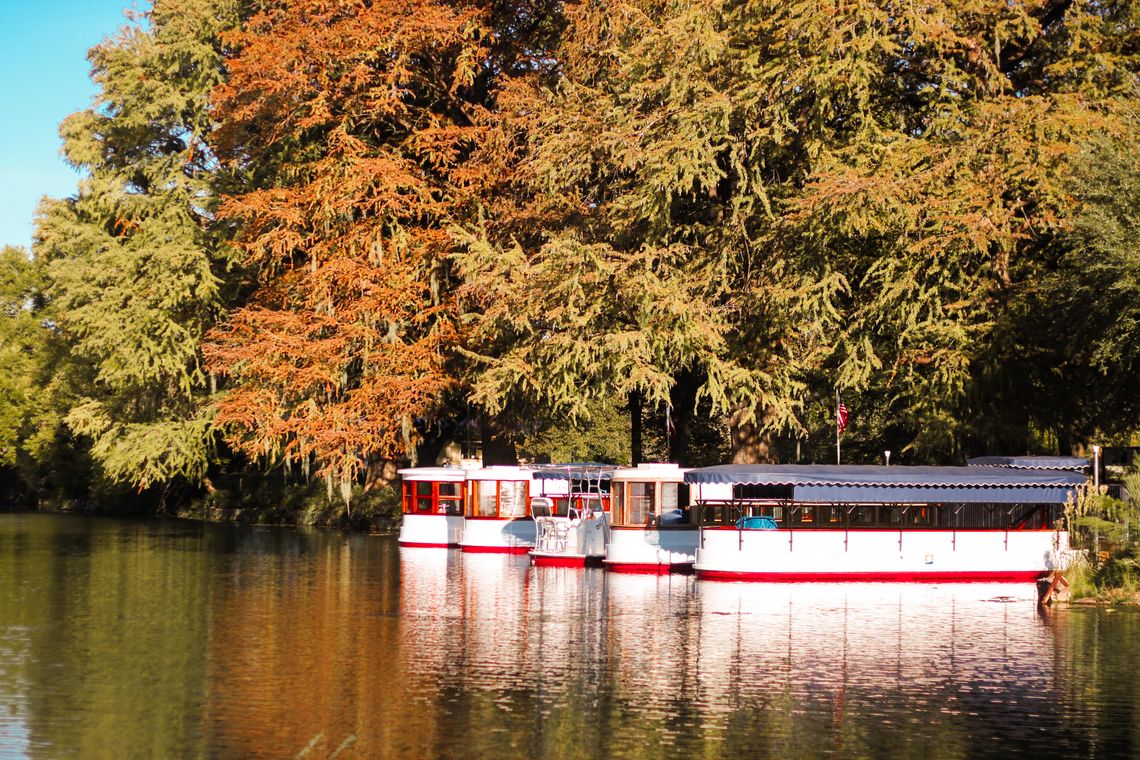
[[730, 512], [552, 534]]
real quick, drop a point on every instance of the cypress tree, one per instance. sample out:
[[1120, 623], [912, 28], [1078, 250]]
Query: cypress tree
[[135, 265]]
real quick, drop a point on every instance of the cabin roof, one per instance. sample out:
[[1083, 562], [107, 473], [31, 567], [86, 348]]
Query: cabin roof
[[1078, 464], [900, 484], [574, 471]]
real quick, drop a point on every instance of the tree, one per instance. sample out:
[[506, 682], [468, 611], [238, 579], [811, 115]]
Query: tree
[[135, 266], [946, 193], [771, 200], [1074, 325], [21, 347], [350, 124]]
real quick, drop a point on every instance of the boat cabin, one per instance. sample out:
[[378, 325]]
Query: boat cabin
[[433, 503], [498, 492], [869, 522], [649, 495], [434, 490]]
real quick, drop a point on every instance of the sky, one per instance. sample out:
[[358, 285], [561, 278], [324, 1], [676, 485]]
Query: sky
[[44, 76]]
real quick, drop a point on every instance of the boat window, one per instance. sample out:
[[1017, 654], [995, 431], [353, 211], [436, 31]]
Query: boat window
[[512, 498], [450, 495], [617, 494], [485, 498], [432, 497], [829, 517], [946, 516], [424, 501], [561, 503], [641, 503]]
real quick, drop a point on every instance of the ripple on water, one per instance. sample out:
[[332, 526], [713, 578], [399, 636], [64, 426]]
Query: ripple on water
[[151, 639]]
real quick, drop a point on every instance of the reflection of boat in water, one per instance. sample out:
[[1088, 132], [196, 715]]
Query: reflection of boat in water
[[861, 522], [572, 528], [832, 639], [653, 530], [748, 666]]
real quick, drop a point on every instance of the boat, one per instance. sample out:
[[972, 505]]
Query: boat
[[571, 514], [433, 499], [498, 517], [652, 529], [877, 523]]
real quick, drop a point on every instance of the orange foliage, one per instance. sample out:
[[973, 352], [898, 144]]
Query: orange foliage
[[351, 123]]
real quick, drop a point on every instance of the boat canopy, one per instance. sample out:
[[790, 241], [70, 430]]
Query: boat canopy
[[574, 471], [1077, 464], [877, 484]]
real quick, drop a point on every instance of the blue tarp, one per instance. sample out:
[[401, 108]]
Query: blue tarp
[[1078, 464], [877, 484]]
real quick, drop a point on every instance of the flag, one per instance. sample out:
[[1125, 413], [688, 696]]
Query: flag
[[841, 417]]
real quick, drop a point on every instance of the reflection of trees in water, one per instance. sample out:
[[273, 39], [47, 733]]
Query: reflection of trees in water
[[109, 615], [134, 638], [1097, 684], [304, 647]]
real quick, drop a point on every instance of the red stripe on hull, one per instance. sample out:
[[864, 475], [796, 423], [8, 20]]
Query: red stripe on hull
[[647, 569], [982, 576], [496, 549], [422, 545]]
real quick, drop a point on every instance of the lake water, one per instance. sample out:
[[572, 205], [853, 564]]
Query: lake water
[[160, 639]]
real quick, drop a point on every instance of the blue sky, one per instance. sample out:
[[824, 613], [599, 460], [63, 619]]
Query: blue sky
[[43, 60]]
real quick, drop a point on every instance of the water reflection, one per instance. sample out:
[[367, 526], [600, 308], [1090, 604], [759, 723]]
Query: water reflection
[[151, 639]]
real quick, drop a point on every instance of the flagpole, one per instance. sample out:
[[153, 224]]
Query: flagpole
[[837, 451]]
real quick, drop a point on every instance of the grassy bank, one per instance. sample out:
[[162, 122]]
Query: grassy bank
[[254, 499], [1106, 533], [301, 505]]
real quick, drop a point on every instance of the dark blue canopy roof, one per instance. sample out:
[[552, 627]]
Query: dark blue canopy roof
[[867, 484], [1032, 463]]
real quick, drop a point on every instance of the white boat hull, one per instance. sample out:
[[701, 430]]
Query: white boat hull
[[649, 550], [880, 555], [431, 530], [498, 535]]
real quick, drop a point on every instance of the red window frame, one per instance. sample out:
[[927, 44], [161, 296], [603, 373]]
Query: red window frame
[[413, 497], [475, 492]]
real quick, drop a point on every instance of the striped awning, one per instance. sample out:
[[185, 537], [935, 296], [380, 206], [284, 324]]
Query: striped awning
[[877, 484], [1076, 464]]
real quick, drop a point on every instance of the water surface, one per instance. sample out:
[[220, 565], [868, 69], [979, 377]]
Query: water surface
[[171, 639]]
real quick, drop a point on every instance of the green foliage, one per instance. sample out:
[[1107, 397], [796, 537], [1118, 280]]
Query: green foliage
[[1067, 358], [134, 266], [21, 348], [1106, 533], [785, 197], [271, 499], [602, 435], [541, 211]]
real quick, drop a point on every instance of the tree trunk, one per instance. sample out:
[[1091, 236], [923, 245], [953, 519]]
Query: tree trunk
[[379, 473], [636, 401], [498, 441], [750, 443], [682, 402]]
